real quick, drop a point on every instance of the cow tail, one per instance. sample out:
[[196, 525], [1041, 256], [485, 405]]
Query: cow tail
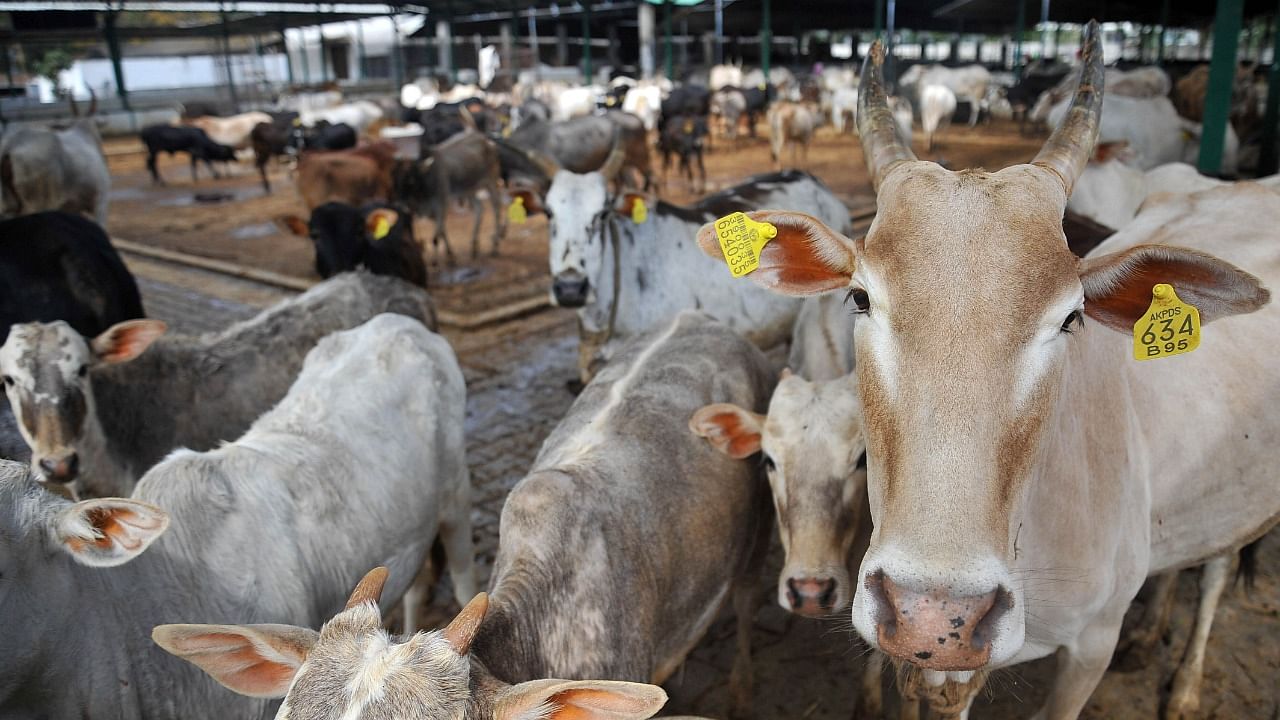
[[1248, 570], [8, 192]]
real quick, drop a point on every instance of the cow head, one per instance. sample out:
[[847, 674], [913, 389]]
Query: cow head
[[577, 208], [45, 368], [353, 669], [811, 441], [971, 308]]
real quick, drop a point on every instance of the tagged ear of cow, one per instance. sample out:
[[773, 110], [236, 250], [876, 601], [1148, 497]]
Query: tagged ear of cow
[[805, 258], [254, 660], [579, 700], [730, 429], [109, 531], [1117, 286], [378, 222], [634, 206], [127, 340], [295, 225]]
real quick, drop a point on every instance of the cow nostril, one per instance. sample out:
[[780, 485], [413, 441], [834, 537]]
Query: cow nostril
[[886, 618], [793, 595], [985, 629], [73, 465], [828, 597], [48, 465]]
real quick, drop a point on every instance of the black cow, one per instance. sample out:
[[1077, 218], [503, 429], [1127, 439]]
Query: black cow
[[191, 140], [378, 237], [682, 136], [324, 136], [758, 99], [687, 100], [61, 266]]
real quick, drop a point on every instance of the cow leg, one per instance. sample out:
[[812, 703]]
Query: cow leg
[[1082, 664], [1135, 649], [455, 532], [745, 601], [973, 112], [262, 170], [155, 172], [499, 218], [213, 170], [440, 215], [870, 702], [194, 160], [475, 231], [1184, 701]]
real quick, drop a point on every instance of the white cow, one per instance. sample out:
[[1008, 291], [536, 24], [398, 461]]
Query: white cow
[[1025, 474], [1143, 82], [645, 102], [233, 131], [1154, 131], [844, 104], [724, 76], [361, 464], [575, 102], [937, 106], [969, 83], [359, 115]]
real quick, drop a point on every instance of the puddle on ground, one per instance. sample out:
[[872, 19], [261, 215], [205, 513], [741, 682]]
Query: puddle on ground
[[208, 197], [256, 230], [459, 275]]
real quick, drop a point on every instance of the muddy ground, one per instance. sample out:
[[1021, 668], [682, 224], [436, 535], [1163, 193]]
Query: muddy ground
[[516, 373]]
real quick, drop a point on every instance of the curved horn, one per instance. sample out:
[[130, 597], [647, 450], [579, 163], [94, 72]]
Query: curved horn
[[1068, 149], [543, 162], [462, 629], [881, 146], [75, 109], [613, 163], [93, 103], [369, 589]]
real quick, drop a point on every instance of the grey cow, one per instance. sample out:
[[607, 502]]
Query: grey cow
[[101, 411], [616, 553], [54, 170], [360, 465]]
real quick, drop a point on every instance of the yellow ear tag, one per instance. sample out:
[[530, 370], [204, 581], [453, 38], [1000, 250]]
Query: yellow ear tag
[[381, 227], [516, 212], [741, 240], [639, 213], [1168, 327]]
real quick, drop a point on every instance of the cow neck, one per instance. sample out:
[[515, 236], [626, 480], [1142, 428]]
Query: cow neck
[[508, 646], [599, 338], [106, 471]]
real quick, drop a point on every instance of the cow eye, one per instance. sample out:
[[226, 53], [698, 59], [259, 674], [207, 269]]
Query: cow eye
[[861, 301], [7, 381], [768, 463], [1075, 318]]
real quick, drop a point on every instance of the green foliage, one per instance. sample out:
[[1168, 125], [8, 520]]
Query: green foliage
[[52, 62]]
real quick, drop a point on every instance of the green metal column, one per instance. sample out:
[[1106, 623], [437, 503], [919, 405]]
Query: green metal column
[[226, 59], [117, 66], [1222, 75], [1164, 27], [1269, 161], [668, 59], [1020, 22], [878, 19], [766, 37], [360, 49], [397, 58], [324, 56], [586, 41]]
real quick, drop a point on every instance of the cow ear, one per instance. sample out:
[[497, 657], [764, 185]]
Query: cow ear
[[633, 205], [108, 531], [579, 700], [1115, 150], [532, 203], [730, 429], [805, 258], [295, 225], [127, 340], [254, 660], [379, 221], [1117, 286]]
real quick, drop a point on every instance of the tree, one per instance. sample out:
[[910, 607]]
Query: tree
[[52, 62]]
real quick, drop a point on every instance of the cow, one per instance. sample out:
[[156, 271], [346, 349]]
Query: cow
[[575, 102], [1154, 131], [100, 413], [724, 76], [1142, 82], [969, 83], [730, 106], [462, 166], [536, 150], [626, 277], [325, 136], [235, 131], [1192, 89], [359, 115], [1035, 448], [623, 514], [844, 104], [790, 123], [62, 266], [191, 140], [376, 237], [370, 435], [269, 140], [55, 169], [354, 177], [937, 106], [645, 102], [757, 99], [683, 137]]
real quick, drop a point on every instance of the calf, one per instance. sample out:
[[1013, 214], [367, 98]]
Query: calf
[[376, 237], [354, 177], [59, 266], [191, 140], [460, 167], [844, 107], [54, 170], [624, 514], [730, 106], [325, 136], [235, 131], [272, 139], [937, 106], [369, 438], [791, 123], [968, 83], [104, 411], [683, 136]]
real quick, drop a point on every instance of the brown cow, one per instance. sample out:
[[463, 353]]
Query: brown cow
[[354, 176], [1191, 90]]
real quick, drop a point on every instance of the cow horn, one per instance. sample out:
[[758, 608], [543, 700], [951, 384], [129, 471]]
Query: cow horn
[[75, 110], [462, 629], [544, 162], [617, 153], [881, 146], [1068, 149], [369, 589], [93, 103]]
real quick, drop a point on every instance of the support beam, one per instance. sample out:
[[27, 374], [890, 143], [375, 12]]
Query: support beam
[[1222, 75], [325, 70], [1269, 161], [719, 32], [1044, 28], [306, 61], [360, 56], [226, 59], [562, 44], [396, 60], [1019, 23], [890, 23], [878, 19], [444, 48], [288, 59], [766, 37], [1164, 28], [117, 65], [668, 59], [586, 42], [644, 22], [533, 37]]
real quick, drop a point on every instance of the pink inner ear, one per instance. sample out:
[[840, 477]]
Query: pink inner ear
[[734, 437]]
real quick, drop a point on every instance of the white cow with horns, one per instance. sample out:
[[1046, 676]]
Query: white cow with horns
[[1011, 445]]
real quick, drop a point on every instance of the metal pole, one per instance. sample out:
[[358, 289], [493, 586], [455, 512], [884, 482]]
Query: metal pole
[[288, 59], [1222, 73], [891, 12], [586, 42], [1270, 158], [668, 60], [1044, 24], [878, 21], [644, 25], [1164, 25], [533, 37], [397, 59], [226, 58], [766, 37], [117, 66], [360, 49], [324, 56], [1018, 24], [719, 32]]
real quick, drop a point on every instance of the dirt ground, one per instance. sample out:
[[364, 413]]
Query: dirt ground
[[516, 373]]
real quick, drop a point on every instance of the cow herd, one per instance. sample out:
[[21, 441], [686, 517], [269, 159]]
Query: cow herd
[[962, 454]]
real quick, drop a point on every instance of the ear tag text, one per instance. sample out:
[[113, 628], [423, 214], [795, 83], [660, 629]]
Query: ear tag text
[[516, 212], [741, 240], [639, 212], [1169, 327], [381, 226]]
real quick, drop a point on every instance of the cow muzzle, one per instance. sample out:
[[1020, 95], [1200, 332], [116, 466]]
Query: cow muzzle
[[812, 596], [61, 467], [570, 290], [934, 628]]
